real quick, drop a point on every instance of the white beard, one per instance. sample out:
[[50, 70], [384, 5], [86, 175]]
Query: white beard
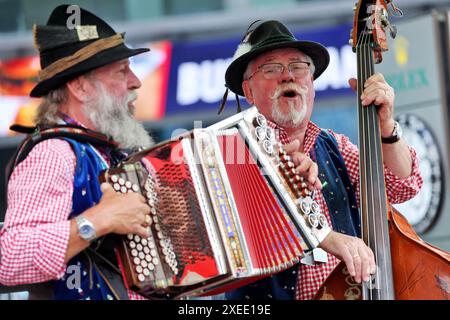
[[111, 117], [293, 117]]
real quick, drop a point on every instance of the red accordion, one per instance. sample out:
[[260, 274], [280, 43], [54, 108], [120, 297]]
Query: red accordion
[[227, 208]]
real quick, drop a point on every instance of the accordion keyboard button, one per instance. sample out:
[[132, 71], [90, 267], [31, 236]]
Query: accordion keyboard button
[[141, 278], [139, 269], [155, 261], [114, 178], [116, 186], [130, 236], [315, 208], [260, 133], [261, 120], [270, 135], [305, 206], [323, 221], [137, 238], [285, 158], [268, 147], [139, 247], [136, 261], [313, 220], [134, 253]]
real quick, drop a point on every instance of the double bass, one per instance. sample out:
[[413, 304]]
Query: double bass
[[408, 268]]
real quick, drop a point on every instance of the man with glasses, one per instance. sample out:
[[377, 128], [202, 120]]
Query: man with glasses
[[276, 72]]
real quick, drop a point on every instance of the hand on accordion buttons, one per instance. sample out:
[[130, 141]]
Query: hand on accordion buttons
[[358, 257], [304, 165], [121, 213]]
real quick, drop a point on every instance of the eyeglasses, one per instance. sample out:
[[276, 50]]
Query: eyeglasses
[[272, 71]]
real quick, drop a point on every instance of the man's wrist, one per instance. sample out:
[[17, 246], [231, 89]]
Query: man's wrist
[[387, 128], [86, 229], [101, 227]]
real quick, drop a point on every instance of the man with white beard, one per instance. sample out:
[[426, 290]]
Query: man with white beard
[[276, 72], [60, 223]]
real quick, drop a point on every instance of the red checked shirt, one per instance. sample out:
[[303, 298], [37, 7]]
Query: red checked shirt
[[310, 278], [36, 232]]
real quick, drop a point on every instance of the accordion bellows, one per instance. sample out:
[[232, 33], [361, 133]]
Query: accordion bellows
[[227, 208]]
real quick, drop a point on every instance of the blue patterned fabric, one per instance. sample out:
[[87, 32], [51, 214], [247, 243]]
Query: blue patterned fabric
[[341, 202], [82, 279], [339, 194]]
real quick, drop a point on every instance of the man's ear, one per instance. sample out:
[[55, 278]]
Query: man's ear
[[78, 88], [248, 91]]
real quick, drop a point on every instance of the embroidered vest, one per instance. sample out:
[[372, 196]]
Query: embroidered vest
[[92, 274], [88, 277]]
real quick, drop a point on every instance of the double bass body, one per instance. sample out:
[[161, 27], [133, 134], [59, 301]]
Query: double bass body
[[420, 270]]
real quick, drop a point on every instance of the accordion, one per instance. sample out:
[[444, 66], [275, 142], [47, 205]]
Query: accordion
[[227, 208]]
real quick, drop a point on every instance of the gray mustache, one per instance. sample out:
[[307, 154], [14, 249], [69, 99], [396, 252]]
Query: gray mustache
[[291, 87], [132, 96]]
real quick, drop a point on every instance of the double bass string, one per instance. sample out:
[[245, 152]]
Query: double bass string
[[362, 141], [380, 177], [369, 145], [366, 164], [371, 166]]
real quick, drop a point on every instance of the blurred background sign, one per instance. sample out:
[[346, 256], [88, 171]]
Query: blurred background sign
[[418, 71]]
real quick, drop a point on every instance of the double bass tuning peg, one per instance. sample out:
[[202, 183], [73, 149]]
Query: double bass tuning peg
[[392, 28]]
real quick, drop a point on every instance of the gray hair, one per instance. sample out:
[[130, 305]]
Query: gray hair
[[47, 111], [248, 71]]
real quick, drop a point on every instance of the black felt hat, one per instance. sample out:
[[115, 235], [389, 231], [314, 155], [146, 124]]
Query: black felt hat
[[67, 52], [267, 36]]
